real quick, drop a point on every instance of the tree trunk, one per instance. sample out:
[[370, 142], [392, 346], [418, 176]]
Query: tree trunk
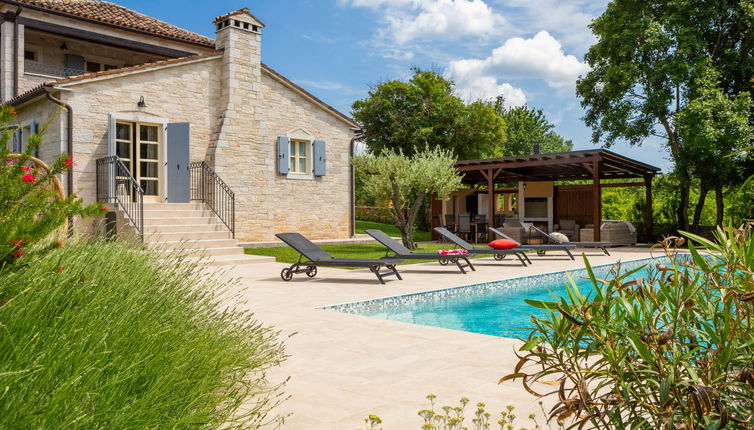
[[699, 207], [720, 204], [683, 204]]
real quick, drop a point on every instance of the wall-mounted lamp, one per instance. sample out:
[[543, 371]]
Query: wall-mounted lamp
[[141, 103], [63, 46]]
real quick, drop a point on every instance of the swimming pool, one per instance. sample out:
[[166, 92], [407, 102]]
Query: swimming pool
[[494, 308]]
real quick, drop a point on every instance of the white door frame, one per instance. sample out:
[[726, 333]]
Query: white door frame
[[162, 193]]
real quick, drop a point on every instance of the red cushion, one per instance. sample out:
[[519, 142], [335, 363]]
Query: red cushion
[[503, 244]]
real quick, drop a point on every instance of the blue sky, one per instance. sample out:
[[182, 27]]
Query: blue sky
[[529, 51]]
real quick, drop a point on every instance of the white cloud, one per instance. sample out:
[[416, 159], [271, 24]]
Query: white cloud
[[540, 57], [568, 20], [409, 20]]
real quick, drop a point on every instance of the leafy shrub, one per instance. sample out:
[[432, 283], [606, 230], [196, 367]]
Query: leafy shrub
[[100, 335], [30, 206], [375, 214], [674, 350]]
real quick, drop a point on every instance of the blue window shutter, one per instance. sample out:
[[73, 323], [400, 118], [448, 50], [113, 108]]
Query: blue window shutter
[[320, 159], [178, 138], [283, 155], [33, 130], [110, 136], [17, 141]]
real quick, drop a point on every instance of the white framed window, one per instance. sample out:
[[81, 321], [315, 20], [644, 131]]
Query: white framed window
[[300, 156]]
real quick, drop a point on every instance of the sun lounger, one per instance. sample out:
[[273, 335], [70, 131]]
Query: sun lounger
[[312, 256], [541, 249], [499, 254], [602, 245], [403, 253]]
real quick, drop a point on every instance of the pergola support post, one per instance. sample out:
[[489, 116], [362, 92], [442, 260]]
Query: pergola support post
[[596, 200], [648, 212]]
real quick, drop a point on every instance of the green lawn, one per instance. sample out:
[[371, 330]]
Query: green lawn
[[284, 254], [419, 236]]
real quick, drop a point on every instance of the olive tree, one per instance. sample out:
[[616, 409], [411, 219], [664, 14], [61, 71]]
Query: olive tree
[[406, 180]]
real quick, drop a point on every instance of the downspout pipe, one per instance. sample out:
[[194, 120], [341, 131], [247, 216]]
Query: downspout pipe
[[358, 135], [15, 52], [69, 145]]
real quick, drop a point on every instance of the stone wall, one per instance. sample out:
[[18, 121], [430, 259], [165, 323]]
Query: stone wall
[[318, 207], [180, 93]]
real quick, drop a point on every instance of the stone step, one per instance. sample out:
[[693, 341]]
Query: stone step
[[186, 235], [210, 252], [173, 227], [190, 213], [174, 206], [195, 220], [196, 244], [233, 260]]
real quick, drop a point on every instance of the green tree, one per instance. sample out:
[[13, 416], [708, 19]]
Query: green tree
[[407, 180], [644, 65], [715, 127], [424, 112], [528, 127]]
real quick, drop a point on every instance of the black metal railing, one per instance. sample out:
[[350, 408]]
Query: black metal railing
[[207, 187], [116, 185], [50, 70]]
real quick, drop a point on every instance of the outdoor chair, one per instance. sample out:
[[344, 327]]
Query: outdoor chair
[[541, 249], [481, 227], [499, 220], [311, 256], [464, 225], [450, 222], [569, 228], [520, 253], [514, 229], [602, 245], [403, 253]]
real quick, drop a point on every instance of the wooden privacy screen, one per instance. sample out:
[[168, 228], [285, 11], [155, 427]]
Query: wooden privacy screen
[[574, 203]]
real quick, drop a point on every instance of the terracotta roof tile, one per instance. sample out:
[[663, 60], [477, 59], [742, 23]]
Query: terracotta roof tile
[[116, 15], [39, 89]]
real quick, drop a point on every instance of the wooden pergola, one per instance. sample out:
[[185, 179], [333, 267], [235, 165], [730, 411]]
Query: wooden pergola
[[596, 165]]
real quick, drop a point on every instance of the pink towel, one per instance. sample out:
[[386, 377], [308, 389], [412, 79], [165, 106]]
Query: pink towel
[[453, 252]]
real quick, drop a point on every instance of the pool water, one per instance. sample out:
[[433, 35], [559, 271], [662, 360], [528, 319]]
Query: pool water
[[496, 308]]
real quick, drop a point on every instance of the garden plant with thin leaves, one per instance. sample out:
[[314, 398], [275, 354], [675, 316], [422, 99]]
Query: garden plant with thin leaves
[[108, 335], [672, 350]]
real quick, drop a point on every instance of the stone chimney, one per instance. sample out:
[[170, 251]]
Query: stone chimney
[[239, 38]]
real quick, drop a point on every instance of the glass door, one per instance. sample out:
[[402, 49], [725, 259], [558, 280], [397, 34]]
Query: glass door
[[138, 147], [149, 161]]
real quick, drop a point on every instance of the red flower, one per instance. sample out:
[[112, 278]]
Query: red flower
[[28, 178], [27, 169], [69, 162], [18, 243], [8, 160], [60, 269], [19, 252], [59, 244], [104, 209], [13, 112]]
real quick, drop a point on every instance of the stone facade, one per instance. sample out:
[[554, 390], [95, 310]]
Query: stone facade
[[237, 108]]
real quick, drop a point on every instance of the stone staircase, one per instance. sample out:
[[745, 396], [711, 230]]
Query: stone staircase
[[196, 230]]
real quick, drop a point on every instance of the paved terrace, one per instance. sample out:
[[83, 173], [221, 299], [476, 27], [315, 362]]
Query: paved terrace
[[344, 367]]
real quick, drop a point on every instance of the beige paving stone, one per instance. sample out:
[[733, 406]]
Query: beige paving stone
[[344, 367]]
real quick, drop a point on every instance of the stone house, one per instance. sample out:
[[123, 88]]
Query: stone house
[[170, 106]]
